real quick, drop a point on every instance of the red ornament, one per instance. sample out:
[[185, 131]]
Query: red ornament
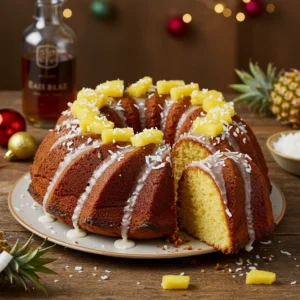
[[254, 8], [10, 122], [177, 27]]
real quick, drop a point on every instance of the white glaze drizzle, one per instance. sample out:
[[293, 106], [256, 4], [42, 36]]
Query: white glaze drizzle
[[164, 114], [153, 162], [213, 165], [183, 119], [141, 106], [119, 110], [245, 169], [92, 181], [226, 134], [68, 159]]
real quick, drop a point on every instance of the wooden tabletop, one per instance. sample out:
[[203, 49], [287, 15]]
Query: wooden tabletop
[[125, 274]]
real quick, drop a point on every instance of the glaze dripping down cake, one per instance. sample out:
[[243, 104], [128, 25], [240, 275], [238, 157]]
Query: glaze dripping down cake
[[125, 162]]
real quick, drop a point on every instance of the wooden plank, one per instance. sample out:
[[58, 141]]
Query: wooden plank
[[125, 273]]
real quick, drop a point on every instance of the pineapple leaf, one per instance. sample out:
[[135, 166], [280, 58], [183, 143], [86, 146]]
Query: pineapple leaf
[[257, 73], [14, 249], [42, 261], [14, 265], [241, 88], [26, 247], [43, 251], [31, 276], [22, 279], [9, 274], [247, 97], [22, 260]]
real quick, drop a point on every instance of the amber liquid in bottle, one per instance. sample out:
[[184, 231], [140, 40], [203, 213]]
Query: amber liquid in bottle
[[48, 83]]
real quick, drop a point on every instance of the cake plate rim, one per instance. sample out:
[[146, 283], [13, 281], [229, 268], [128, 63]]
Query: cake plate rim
[[118, 253]]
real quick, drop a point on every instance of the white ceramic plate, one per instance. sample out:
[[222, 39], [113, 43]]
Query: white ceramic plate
[[26, 212]]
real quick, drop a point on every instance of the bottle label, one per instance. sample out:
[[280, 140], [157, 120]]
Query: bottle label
[[49, 71], [46, 56]]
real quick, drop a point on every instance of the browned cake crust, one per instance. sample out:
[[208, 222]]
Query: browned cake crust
[[131, 113], [104, 211], [112, 116], [256, 152], [187, 125], [48, 165], [173, 118], [154, 105], [73, 182], [263, 220]]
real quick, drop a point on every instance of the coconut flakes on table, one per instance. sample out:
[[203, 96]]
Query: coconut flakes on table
[[285, 252], [266, 243]]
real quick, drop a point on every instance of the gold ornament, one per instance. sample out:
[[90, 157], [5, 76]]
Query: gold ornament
[[21, 145]]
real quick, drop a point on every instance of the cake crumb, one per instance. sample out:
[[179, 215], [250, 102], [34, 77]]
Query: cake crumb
[[202, 271], [188, 247], [218, 267]]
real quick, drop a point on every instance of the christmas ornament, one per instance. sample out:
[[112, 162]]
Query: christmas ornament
[[22, 264], [101, 9], [21, 145], [254, 8], [275, 92], [177, 27], [10, 122]]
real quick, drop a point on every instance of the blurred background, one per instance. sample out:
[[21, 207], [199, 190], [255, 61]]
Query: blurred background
[[134, 41]]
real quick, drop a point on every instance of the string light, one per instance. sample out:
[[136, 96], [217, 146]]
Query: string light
[[187, 18], [270, 8], [240, 17], [219, 8], [67, 13], [227, 12]]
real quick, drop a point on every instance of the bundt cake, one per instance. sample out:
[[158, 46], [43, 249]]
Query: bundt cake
[[224, 202], [106, 167]]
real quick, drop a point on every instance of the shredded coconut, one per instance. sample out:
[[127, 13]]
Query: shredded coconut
[[288, 144]]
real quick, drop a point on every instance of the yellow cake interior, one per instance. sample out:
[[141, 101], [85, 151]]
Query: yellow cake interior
[[185, 153], [201, 212]]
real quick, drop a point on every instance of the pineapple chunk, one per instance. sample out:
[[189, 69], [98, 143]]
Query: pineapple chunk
[[209, 128], [164, 87], [219, 114], [94, 124], [175, 282], [140, 87], [181, 91], [82, 110], [114, 88], [230, 107], [148, 136], [260, 277], [209, 103], [197, 97], [117, 134], [90, 96]]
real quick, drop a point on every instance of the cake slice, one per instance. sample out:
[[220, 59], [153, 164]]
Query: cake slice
[[224, 202]]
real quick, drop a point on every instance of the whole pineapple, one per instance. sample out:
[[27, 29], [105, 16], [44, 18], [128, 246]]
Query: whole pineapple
[[278, 93], [22, 264]]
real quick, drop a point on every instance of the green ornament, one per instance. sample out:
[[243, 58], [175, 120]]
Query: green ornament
[[100, 9]]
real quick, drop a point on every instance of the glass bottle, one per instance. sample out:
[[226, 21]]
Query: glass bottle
[[48, 65]]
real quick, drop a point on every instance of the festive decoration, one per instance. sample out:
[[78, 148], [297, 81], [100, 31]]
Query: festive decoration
[[21, 145], [254, 8], [101, 9], [275, 92], [22, 264], [177, 27], [10, 122]]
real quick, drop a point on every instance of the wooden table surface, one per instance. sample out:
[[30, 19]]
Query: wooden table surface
[[125, 273]]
